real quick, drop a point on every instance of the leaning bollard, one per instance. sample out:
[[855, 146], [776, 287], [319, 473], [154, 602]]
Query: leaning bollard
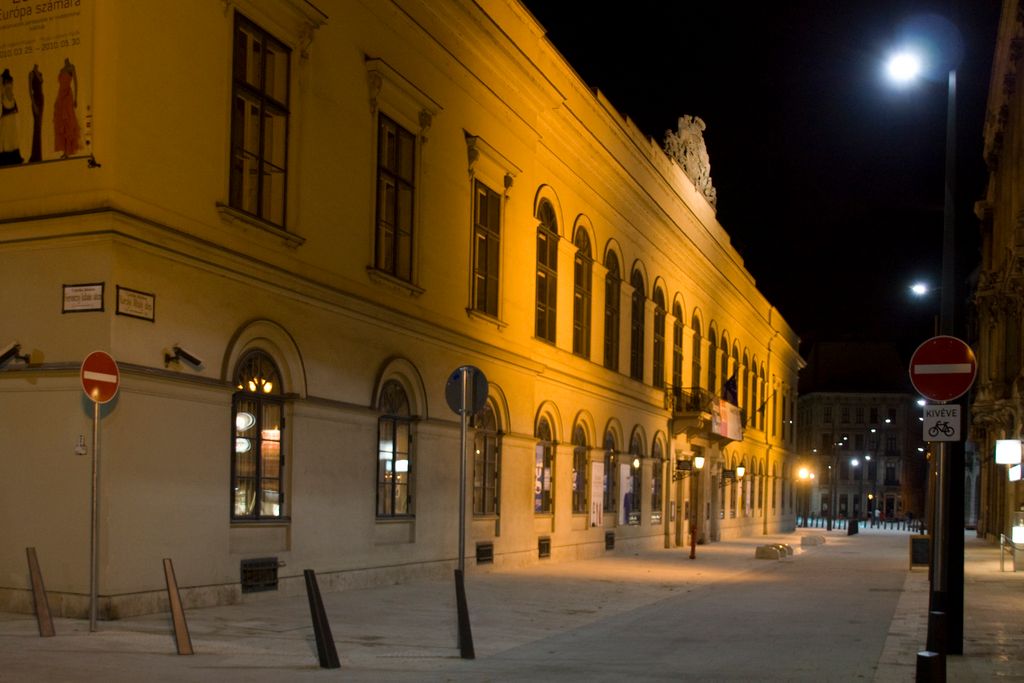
[[43, 617], [181, 636], [321, 628]]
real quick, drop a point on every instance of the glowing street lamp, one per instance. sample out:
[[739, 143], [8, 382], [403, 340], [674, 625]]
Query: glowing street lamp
[[938, 47]]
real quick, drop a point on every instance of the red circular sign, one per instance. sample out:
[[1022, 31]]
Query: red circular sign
[[100, 377], [943, 368]]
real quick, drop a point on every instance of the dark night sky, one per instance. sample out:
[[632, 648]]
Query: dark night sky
[[829, 180]]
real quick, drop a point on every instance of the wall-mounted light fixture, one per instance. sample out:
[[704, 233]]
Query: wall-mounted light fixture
[[1008, 452], [740, 471], [179, 354], [13, 352]]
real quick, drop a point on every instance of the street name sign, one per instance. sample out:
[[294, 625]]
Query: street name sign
[[100, 377], [943, 368]]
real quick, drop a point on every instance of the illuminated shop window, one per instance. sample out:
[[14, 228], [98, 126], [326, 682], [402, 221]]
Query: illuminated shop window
[[611, 487], [394, 454], [544, 470], [580, 483], [257, 461], [259, 123]]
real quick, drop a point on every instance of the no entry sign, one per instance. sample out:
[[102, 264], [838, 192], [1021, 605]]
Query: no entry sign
[[100, 377], [943, 368]]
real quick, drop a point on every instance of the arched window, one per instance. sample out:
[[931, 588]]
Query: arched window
[[579, 471], [657, 482], [258, 460], [547, 272], [763, 399], [486, 463], [612, 285], [611, 486], [544, 486], [746, 391], [732, 494], [712, 361], [636, 349], [695, 354], [394, 456], [636, 468], [659, 338], [582, 270], [677, 347]]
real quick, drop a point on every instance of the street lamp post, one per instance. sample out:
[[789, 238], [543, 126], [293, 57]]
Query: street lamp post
[[947, 547]]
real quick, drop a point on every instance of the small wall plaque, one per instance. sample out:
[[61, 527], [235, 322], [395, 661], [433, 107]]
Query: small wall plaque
[[136, 304], [82, 298]]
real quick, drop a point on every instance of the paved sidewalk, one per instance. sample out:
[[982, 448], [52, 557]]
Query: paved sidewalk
[[846, 610]]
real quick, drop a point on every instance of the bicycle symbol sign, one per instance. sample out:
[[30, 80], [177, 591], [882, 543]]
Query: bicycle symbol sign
[[941, 422]]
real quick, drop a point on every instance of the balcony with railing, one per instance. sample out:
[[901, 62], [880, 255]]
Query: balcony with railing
[[698, 412]]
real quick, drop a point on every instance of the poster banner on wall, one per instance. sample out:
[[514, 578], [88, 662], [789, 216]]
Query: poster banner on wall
[[46, 59]]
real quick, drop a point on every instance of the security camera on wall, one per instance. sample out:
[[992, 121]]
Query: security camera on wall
[[11, 351], [185, 355]]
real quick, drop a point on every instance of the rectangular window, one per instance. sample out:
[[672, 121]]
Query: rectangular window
[[396, 148], [874, 415], [827, 417], [259, 123], [486, 248]]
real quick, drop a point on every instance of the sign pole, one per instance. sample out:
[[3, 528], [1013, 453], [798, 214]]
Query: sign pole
[[464, 371], [94, 530], [100, 379]]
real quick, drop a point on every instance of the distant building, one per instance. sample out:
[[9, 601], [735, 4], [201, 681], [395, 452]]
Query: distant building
[[859, 434], [998, 408], [290, 222]]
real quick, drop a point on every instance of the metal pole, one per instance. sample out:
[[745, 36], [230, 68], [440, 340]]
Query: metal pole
[[94, 530], [462, 473]]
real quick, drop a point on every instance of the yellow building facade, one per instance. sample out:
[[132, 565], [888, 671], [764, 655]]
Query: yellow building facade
[[290, 223]]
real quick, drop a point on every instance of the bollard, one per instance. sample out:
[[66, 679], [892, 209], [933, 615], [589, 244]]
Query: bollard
[[936, 632], [931, 667], [321, 627]]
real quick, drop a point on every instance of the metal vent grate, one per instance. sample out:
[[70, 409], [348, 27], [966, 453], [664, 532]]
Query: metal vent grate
[[544, 547], [609, 540], [259, 574], [485, 553]]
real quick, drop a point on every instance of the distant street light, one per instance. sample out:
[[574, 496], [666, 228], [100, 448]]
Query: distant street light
[[919, 289]]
